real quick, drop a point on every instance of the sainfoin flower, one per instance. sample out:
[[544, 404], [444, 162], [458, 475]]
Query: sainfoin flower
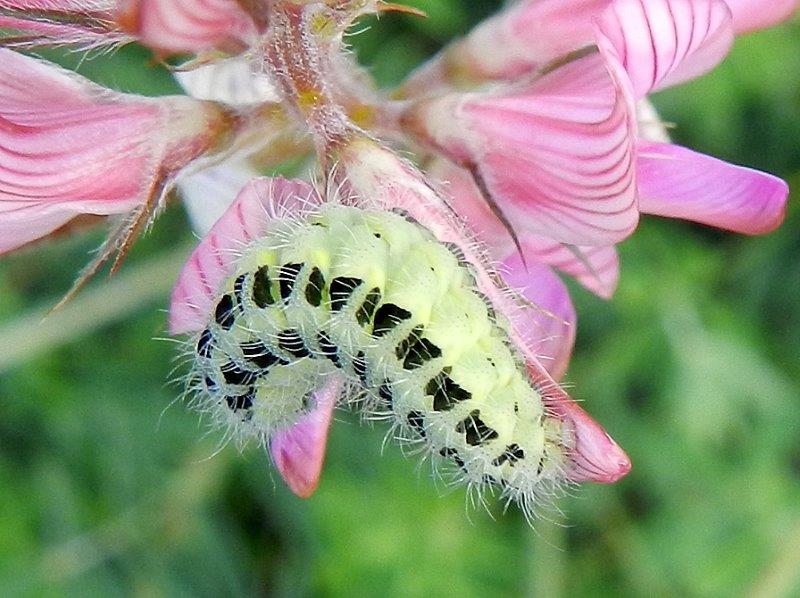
[[534, 146], [71, 147], [430, 299]]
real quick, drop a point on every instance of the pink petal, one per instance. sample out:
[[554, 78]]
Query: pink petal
[[595, 456], [596, 268], [665, 42], [468, 202], [299, 452], [556, 155], [679, 183], [749, 15], [190, 25], [549, 325], [88, 24], [530, 34], [69, 147], [516, 41], [247, 218]]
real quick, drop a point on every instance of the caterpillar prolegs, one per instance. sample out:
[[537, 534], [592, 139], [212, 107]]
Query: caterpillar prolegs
[[374, 297]]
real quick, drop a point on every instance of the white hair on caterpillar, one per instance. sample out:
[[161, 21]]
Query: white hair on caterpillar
[[372, 294]]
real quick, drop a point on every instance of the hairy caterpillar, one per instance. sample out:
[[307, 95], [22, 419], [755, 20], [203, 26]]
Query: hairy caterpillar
[[375, 297]]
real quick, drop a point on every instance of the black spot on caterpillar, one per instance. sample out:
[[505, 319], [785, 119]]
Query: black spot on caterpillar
[[375, 297], [446, 393], [233, 374], [291, 342], [367, 310], [238, 288], [387, 317], [262, 293], [223, 314], [328, 349], [476, 431], [204, 343], [360, 368], [416, 421], [512, 454], [244, 401], [452, 454], [287, 276], [316, 283], [385, 393], [259, 355], [341, 289]]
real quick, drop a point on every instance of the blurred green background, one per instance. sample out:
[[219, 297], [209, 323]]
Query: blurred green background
[[109, 486]]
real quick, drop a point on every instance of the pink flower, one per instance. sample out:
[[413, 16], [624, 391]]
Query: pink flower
[[69, 147], [556, 154], [674, 181], [530, 265], [594, 267], [559, 145], [532, 33], [536, 167]]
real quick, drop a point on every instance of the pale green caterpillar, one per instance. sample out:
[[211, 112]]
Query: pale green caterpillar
[[377, 297]]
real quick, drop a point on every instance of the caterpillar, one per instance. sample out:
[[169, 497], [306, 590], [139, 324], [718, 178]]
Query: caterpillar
[[374, 297]]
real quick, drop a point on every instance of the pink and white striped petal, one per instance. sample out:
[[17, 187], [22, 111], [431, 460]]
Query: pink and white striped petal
[[530, 34], [596, 268], [685, 36], [679, 183], [515, 42], [69, 147], [549, 324], [466, 199], [555, 155], [260, 202], [176, 26], [750, 15], [299, 451], [666, 42]]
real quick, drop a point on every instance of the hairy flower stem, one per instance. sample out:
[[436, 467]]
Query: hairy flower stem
[[298, 55]]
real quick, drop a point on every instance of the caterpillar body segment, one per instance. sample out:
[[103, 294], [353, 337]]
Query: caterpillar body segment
[[377, 298]]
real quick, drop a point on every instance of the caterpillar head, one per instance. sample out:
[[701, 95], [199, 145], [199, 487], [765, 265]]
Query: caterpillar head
[[295, 303]]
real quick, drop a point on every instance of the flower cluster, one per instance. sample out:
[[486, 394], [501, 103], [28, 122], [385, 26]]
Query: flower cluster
[[536, 150]]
